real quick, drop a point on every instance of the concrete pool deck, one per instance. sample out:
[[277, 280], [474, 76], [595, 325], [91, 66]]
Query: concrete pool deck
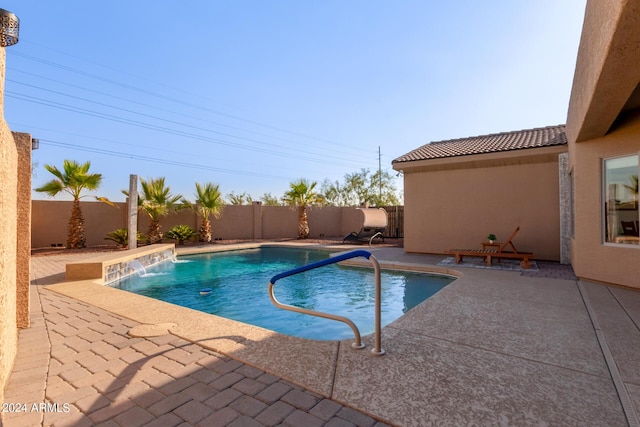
[[492, 348]]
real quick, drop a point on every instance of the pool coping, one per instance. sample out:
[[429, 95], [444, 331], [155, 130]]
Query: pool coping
[[306, 362]]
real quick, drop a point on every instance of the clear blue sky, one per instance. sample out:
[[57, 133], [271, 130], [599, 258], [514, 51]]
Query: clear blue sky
[[253, 94]]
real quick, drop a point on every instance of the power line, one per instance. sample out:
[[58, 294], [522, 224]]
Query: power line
[[154, 107], [105, 140], [172, 112], [163, 129], [196, 135], [171, 99], [198, 128], [157, 160]]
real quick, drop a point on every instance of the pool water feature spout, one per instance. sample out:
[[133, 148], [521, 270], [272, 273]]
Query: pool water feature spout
[[137, 266], [377, 350]]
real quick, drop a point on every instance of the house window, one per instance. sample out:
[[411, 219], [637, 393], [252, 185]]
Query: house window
[[621, 220]]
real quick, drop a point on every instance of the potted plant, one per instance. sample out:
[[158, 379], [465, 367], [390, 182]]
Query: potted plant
[[492, 238]]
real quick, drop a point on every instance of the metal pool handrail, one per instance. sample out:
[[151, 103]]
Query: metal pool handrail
[[378, 351]]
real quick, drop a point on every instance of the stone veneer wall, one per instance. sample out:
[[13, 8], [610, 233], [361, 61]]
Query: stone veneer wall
[[8, 240], [115, 265], [126, 268], [566, 203]]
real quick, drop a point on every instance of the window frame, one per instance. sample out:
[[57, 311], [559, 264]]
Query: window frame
[[603, 202]]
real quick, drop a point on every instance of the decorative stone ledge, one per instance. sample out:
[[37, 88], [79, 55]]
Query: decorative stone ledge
[[113, 266]]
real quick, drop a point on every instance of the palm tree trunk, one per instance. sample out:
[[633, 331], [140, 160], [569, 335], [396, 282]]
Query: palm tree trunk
[[205, 231], [76, 237], [303, 223], [154, 235]]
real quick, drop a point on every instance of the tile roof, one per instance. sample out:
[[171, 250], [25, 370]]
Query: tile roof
[[506, 141]]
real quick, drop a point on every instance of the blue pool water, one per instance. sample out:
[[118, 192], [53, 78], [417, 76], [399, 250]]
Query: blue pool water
[[238, 284]]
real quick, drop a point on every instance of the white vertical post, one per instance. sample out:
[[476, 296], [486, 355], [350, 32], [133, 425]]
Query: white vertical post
[[133, 211]]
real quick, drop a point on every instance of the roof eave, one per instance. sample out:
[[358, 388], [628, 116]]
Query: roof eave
[[531, 154]]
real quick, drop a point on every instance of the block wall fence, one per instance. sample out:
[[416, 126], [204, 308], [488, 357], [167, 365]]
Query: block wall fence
[[50, 221]]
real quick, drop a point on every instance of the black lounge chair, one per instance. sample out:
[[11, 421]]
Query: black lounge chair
[[374, 223]]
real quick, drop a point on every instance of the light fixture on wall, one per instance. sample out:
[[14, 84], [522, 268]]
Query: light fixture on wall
[[35, 143], [9, 28]]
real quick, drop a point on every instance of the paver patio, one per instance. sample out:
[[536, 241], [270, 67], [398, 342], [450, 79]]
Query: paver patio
[[81, 360], [495, 347]]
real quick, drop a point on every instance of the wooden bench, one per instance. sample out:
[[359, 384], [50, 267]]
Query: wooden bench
[[489, 255]]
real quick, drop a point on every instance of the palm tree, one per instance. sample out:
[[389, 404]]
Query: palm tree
[[302, 194], [633, 188], [157, 201], [73, 179], [209, 203]]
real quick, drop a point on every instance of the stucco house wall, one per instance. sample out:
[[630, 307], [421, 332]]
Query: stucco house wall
[[8, 240], [456, 204], [603, 122], [23, 229], [591, 258]]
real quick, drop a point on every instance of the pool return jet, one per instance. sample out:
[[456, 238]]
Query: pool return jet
[[377, 350]]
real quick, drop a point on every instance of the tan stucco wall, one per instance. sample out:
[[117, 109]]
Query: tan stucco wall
[[50, 219], [607, 76], [457, 203], [23, 253], [8, 240], [590, 257], [607, 67], [280, 221]]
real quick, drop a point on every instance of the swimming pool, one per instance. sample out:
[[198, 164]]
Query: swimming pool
[[238, 283]]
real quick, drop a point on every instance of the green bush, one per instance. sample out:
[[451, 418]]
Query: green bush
[[181, 233], [121, 237]]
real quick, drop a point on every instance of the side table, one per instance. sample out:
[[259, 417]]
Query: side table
[[486, 245]]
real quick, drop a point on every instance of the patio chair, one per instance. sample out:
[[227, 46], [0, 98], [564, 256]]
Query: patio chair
[[489, 254], [374, 222]]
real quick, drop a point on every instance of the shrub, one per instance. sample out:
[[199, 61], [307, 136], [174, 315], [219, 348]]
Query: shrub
[[121, 237], [181, 233]]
